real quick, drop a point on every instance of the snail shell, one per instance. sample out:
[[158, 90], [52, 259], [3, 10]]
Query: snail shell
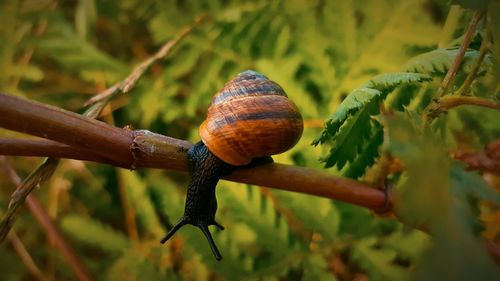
[[250, 117]]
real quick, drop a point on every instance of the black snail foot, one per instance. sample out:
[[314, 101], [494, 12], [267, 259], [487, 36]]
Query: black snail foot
[[201, 204]]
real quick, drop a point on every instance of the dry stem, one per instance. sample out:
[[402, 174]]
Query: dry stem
[[448, 102], [460, 55]]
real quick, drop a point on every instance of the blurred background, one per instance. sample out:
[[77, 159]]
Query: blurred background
[[63, 52]]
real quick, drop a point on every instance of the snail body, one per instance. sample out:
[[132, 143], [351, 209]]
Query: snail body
[[251, 117]]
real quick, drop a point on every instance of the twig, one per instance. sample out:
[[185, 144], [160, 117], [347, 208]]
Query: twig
[[52, 232], [483, 50], [25, 256], [128, 83], [38, 176], [60, 243], [445, 103], [460, 55]]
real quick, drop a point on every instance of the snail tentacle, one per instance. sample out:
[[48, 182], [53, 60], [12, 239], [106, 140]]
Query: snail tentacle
[[183, 221], [220, 226], [204, 229]]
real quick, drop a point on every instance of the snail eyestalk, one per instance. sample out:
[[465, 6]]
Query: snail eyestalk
[[201, 204]]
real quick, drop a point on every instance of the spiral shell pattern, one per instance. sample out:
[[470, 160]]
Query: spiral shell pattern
[[251, 116]]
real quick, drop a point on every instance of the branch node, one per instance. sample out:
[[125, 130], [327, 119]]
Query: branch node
[[387, 208]]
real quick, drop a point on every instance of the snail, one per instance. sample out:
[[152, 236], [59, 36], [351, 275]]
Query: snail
[[249, 119]]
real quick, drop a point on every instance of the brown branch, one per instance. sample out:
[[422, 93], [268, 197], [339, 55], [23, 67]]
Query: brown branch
[[60, 243], [136, 149], [48, 148], [34, 180], [483, 50], [64, 126], [450, 75], [445, 103], [487, 160], [52, 232], [25, 257]]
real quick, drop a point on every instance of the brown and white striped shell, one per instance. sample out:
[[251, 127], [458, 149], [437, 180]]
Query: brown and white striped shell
[[250, 117]]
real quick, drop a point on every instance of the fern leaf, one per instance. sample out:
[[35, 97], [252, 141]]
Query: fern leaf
[[350, 106], [472, 184], [350, 138], [316, 269], [378, 262], [387, 82], [369, 152], [95, 233], [439, 61], [141, 202], [316, 214], [402, 97], [349, 127]]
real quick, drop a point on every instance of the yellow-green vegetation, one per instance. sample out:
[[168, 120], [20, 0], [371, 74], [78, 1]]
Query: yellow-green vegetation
[[365, 76]]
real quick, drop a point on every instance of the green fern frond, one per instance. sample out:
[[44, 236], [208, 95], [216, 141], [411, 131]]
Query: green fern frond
[[354, 102], [370, 152], [315, 214], [387, 82], [379, 263], [349, 139], [438, 61], [141, 202], [94, 233], [402, 97], [349, 127]]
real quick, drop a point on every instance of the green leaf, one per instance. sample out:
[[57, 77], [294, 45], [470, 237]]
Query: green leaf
[[370, 151], [379, 263], [432, 193], [316, 269], [440, 60], [387, 82], [424, 190], [350, 127], [351, 106], [473, 4], [140, 202], [457, 255], [349, 139], [282, 42], [94, 233], [315, 214], [472, 184], [408, 244], [403, 96], [29, 72], [61, 43]]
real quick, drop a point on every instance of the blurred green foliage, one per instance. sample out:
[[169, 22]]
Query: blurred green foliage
[[389, 55]]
